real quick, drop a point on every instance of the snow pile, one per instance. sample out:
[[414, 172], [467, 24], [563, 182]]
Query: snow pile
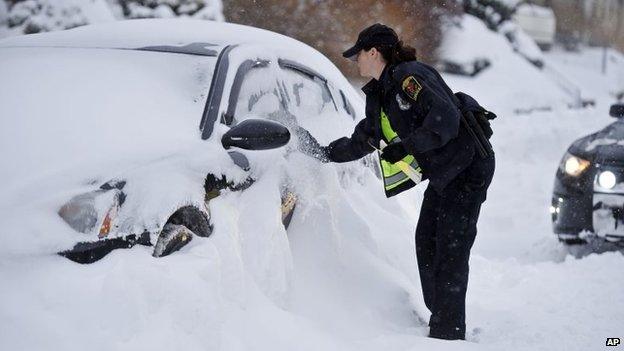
[[510, 80], [583, 71], [523, 43]]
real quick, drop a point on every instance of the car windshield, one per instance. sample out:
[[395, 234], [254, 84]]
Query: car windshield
[[103, 102]]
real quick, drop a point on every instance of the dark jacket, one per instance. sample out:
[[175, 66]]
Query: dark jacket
[[426, 119]]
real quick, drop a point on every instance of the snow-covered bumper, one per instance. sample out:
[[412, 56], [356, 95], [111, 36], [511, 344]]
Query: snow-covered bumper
[[590, 203]]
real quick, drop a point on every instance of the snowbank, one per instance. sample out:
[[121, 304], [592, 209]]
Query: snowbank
[[523, 43], [510, 82], [583, 71]]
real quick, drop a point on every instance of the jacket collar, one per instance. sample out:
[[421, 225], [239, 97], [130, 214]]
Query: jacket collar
[[371, 87], [375, 85]]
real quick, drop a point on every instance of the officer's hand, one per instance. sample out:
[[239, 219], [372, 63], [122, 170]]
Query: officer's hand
[[394, 152]]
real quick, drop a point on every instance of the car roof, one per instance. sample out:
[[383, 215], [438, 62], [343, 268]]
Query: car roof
[[187, 36], [190, 36]]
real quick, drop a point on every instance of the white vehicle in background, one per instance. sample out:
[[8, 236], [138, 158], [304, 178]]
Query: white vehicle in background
[[120, 134], [538, 22]]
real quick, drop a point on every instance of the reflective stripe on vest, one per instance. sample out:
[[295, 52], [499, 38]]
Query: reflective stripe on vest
[[393, 176]]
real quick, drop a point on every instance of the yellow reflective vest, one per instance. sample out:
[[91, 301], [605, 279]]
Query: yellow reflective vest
[[394, 178]]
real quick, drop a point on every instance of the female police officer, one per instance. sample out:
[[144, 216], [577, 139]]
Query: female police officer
[[412, 110]]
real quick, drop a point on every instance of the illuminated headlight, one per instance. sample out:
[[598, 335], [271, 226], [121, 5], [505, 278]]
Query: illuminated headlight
[[607, 180], [573, 165]]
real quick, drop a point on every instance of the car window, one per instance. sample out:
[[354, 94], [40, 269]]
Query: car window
[[307, 96], [256, 94], [314, 103]]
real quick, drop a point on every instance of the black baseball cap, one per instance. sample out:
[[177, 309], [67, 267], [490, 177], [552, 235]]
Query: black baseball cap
[[375, 35]]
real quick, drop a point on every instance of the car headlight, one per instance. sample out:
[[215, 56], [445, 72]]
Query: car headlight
[[607, 180], [573, 165], [94, 211]]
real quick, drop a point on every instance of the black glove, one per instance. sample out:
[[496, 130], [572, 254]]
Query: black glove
[[308, 145], [394, 152]]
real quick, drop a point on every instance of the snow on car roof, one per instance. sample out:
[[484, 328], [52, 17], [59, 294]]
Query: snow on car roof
[[36, 70], [142, 33], [192, 36]]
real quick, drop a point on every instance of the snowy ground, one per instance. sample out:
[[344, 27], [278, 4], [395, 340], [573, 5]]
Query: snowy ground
[[344, 276]]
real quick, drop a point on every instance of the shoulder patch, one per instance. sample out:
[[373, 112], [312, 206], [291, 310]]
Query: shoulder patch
[[411, 87]]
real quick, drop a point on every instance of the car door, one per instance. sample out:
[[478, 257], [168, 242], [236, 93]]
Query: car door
[[256, 93]]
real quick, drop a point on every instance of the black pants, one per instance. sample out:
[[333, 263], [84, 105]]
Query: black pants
[[446, 230]]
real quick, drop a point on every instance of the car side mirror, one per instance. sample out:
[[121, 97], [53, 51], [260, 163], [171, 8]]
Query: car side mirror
[[617, 110], [256, 134]]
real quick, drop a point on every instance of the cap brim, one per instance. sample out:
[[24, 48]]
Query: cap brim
[[352, 53]]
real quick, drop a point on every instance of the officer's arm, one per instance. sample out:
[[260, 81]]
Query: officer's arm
[[353, 148], [440, 123]]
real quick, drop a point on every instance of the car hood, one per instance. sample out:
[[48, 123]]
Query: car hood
[[606, 145]]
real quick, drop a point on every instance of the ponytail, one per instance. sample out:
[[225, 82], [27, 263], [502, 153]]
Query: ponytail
[[402, 53], [397, 53]]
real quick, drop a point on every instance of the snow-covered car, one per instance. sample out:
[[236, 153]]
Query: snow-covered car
[[120, 134], [588, 195]]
